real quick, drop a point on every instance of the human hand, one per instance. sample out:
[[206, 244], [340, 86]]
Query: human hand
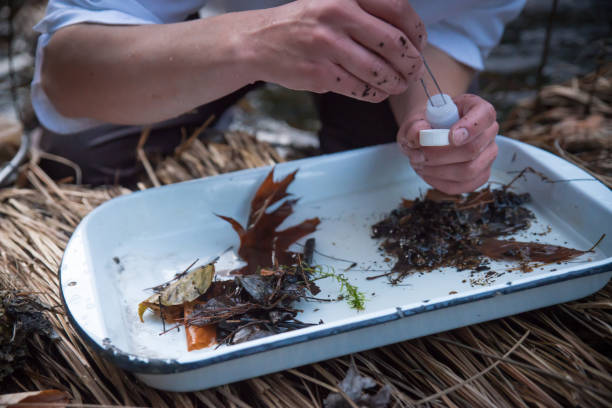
[[364, 49], [463, 166]]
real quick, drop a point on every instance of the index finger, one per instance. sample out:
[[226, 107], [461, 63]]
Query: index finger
[[401, 15], [384, 39]]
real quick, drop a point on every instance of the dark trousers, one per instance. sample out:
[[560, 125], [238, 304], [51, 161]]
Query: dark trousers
[[107, 154]]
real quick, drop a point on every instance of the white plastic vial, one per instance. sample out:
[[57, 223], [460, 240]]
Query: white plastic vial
[[441, 113]]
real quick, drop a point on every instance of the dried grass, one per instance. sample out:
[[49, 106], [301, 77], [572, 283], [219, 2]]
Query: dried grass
[[558, 356], [573, 120]]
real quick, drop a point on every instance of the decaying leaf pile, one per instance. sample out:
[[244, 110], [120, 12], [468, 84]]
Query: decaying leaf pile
[[253, 306], [21, 317], [460, 231], [257, 302], [362, 390]]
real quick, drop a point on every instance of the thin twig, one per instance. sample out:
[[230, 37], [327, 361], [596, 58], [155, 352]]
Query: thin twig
[[185, 145], [595, 245], [142, 156], [78, 173]]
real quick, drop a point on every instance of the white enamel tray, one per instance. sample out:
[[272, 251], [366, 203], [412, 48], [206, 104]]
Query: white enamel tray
[[159, 232]]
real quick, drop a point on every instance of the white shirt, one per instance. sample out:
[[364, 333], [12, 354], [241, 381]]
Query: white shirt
[[467, 30]]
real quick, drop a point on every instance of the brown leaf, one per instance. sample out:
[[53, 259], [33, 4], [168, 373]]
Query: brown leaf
[[268, 193], [438, 196], [407, 203], [35, 397], [235, 224], [527, 251], [261, 245], [290, 235]]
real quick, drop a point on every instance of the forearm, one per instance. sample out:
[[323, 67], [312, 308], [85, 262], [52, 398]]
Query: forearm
[[452, 76], [143, 74], [364, 49]]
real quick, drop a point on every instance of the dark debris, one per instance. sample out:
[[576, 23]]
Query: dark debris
[[254, 306], [21, 317], [362, 390], [441, 230]]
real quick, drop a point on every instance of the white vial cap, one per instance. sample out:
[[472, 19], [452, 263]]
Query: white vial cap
[[441, 111], [434, 137]]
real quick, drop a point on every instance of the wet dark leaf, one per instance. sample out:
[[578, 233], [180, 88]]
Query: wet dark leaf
[[259, 287], [248, 333], [362, 390], [252, 306]]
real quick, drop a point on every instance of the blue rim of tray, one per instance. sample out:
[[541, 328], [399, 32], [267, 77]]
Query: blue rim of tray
[[134, 363]]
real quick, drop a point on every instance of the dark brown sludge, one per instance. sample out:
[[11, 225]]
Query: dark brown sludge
[[458, 231]]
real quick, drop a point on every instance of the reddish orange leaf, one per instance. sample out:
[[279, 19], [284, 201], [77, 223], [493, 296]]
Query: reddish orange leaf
[[261, 245], [269, 192], [198, 337]]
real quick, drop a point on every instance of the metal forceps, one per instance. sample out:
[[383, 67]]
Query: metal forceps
[[434, 81]]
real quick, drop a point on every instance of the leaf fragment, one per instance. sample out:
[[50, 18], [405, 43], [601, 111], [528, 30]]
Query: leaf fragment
[[34, 398], [261, 245], [527, 251], [185, 289], [360, 390]]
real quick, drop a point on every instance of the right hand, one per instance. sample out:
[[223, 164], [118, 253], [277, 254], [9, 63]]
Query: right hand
[[466, 164], [364, 49]]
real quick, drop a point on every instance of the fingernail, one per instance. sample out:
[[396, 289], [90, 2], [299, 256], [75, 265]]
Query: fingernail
[[460, 136], [416, 157]]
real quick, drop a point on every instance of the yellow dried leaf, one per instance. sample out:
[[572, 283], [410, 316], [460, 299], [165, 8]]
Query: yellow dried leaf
[[185, 289]]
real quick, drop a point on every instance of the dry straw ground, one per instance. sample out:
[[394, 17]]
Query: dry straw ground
[[554, 357]]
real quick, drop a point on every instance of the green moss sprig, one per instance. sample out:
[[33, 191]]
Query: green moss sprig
[[353, 296]]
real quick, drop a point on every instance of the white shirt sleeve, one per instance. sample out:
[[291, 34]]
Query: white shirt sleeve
[[470, 32], [62, 13], [467, 30]]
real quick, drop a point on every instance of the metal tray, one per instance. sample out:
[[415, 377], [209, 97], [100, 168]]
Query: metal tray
[[140, 240]]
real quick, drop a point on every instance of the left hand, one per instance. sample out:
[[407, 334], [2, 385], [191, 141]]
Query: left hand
[[466, 164]]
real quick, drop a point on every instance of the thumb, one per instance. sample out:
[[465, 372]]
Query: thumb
[[408, 134]]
